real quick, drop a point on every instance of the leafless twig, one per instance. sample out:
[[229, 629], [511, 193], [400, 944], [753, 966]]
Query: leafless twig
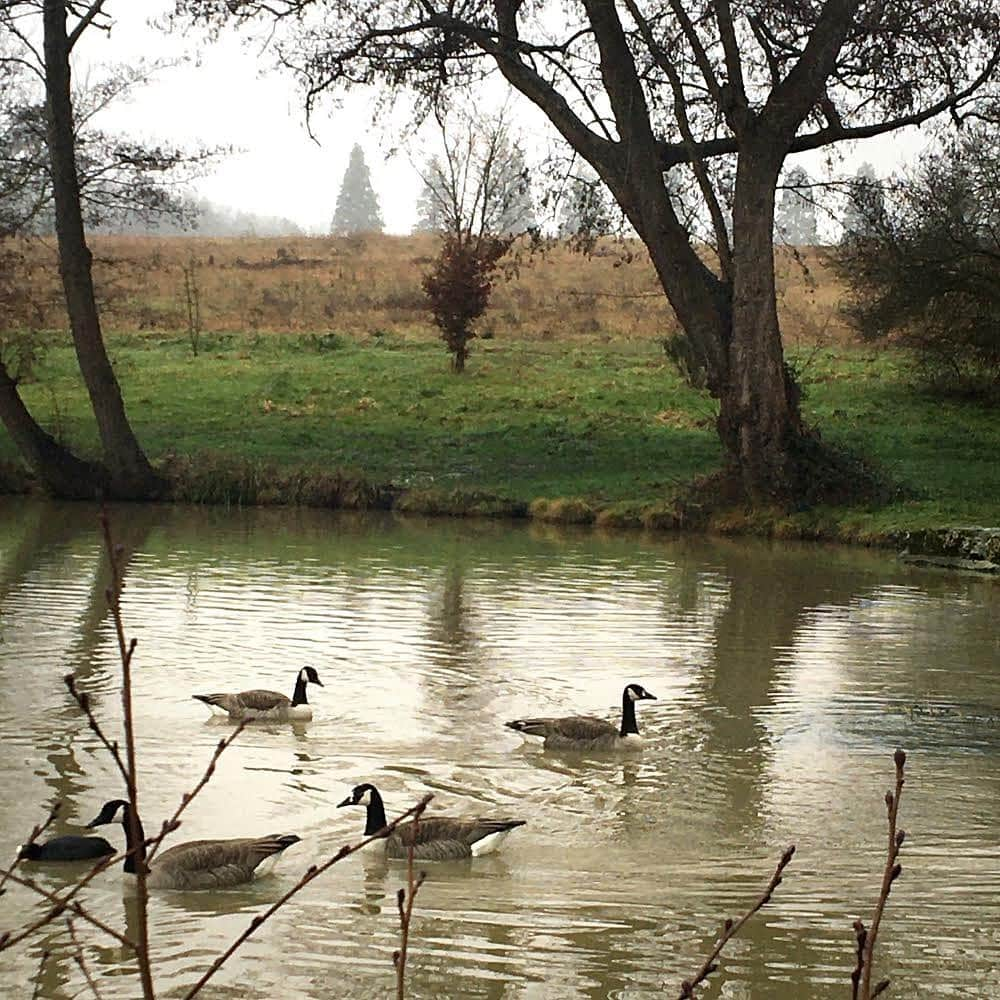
[[59, 906], [314, 871], [36, 832], [171, 824], [861, 977], [731, 928], [60, 903], [80, 960], [126, 648], [82, 700], [404, 903], [38, 975]]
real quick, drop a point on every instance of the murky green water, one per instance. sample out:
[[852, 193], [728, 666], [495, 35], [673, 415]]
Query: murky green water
[[786, 678]]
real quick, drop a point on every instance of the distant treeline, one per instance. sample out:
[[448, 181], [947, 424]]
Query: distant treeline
[[205, 218]]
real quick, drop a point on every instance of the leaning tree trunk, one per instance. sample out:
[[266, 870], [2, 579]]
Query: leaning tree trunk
[[63, 474], [132, 477], [759, 420]]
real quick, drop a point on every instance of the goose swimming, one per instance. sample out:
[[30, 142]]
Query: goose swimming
[[196, 864], [434, 838], [261, 704], [587, 732]]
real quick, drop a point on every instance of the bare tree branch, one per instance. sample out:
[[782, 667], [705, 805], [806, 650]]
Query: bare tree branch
[[173, 823], [85, 21], [80, 960], [404, 904], [60, 905], [36, 832], [731, 928], [866, 938], [314, 871]]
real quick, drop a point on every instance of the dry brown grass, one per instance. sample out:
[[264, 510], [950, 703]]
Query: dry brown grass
[[366, 285]]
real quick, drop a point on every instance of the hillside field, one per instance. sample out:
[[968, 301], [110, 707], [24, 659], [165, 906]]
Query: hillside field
[[319, 379]]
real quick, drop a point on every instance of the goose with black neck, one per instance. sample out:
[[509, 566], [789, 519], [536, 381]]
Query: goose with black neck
[[196, 864], [587, 732]]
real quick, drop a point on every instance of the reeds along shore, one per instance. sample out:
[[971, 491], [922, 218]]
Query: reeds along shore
[[364, 285]]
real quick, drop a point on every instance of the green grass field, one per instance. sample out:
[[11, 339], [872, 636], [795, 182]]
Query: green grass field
[[608, 423]]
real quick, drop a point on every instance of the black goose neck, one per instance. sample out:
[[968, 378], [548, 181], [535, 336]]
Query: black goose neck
[[375, 814], [299, 694], [629, 725], [133, 829]]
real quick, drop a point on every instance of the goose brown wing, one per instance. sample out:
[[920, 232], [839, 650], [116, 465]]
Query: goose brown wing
[[571, 727], [200, 864], [245, 851], [258, 700], [444, 838]]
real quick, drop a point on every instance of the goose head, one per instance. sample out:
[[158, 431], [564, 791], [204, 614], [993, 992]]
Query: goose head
[[636, 692], [114, 811], [361, 795], [308, 675]]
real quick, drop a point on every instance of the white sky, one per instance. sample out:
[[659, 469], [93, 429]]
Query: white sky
[[228, 95]]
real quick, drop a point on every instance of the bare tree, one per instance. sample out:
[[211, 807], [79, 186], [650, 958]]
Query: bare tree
[[128, 472], [478, 193], [642, 90], [478, 182]]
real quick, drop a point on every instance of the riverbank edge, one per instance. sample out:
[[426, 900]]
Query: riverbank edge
[[217, 482]]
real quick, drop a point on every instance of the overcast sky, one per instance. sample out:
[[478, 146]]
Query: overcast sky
[[223, 97]]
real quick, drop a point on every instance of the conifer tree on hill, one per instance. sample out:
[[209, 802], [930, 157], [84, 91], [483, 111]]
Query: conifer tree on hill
[[357, 204]]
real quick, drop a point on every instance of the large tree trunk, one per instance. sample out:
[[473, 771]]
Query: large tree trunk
[[759, 420], [132, 477], [63, 473]]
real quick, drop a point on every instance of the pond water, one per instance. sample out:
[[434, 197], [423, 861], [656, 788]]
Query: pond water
[[786, 677]]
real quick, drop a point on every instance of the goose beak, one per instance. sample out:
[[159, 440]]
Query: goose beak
[[347, 802], [93, 823], [651, 697], [319, 682]]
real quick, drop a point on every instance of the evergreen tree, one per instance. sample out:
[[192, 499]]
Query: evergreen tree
[[795, 217], [865, 204], [357, 204], [586, 211], [432, 214], [515, 206]]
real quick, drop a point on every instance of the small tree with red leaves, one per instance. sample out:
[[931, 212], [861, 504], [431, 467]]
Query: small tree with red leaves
[[459, 288]]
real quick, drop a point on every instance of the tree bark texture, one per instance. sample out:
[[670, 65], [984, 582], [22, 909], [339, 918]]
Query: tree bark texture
[[63, 474], [131, 476]]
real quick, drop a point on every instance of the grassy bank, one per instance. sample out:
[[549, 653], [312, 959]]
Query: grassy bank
[[570, 430]]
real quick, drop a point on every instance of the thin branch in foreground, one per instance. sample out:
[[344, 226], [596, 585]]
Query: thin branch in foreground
[[314, 871], [404, 903], [38, 974], [126, 649], [36, 832], [60, 903], [59, 906], [731, 928], [866, 938], [80, 960], [169, 825], [82, 700]]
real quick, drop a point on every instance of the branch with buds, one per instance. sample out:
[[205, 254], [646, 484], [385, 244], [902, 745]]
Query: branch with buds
[[731, 928], [861, 977]]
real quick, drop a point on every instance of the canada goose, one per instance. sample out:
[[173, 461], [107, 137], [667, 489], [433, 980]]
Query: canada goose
[[586, 732], [198, 864], [258, 704], [434, 838], [68, 848]]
